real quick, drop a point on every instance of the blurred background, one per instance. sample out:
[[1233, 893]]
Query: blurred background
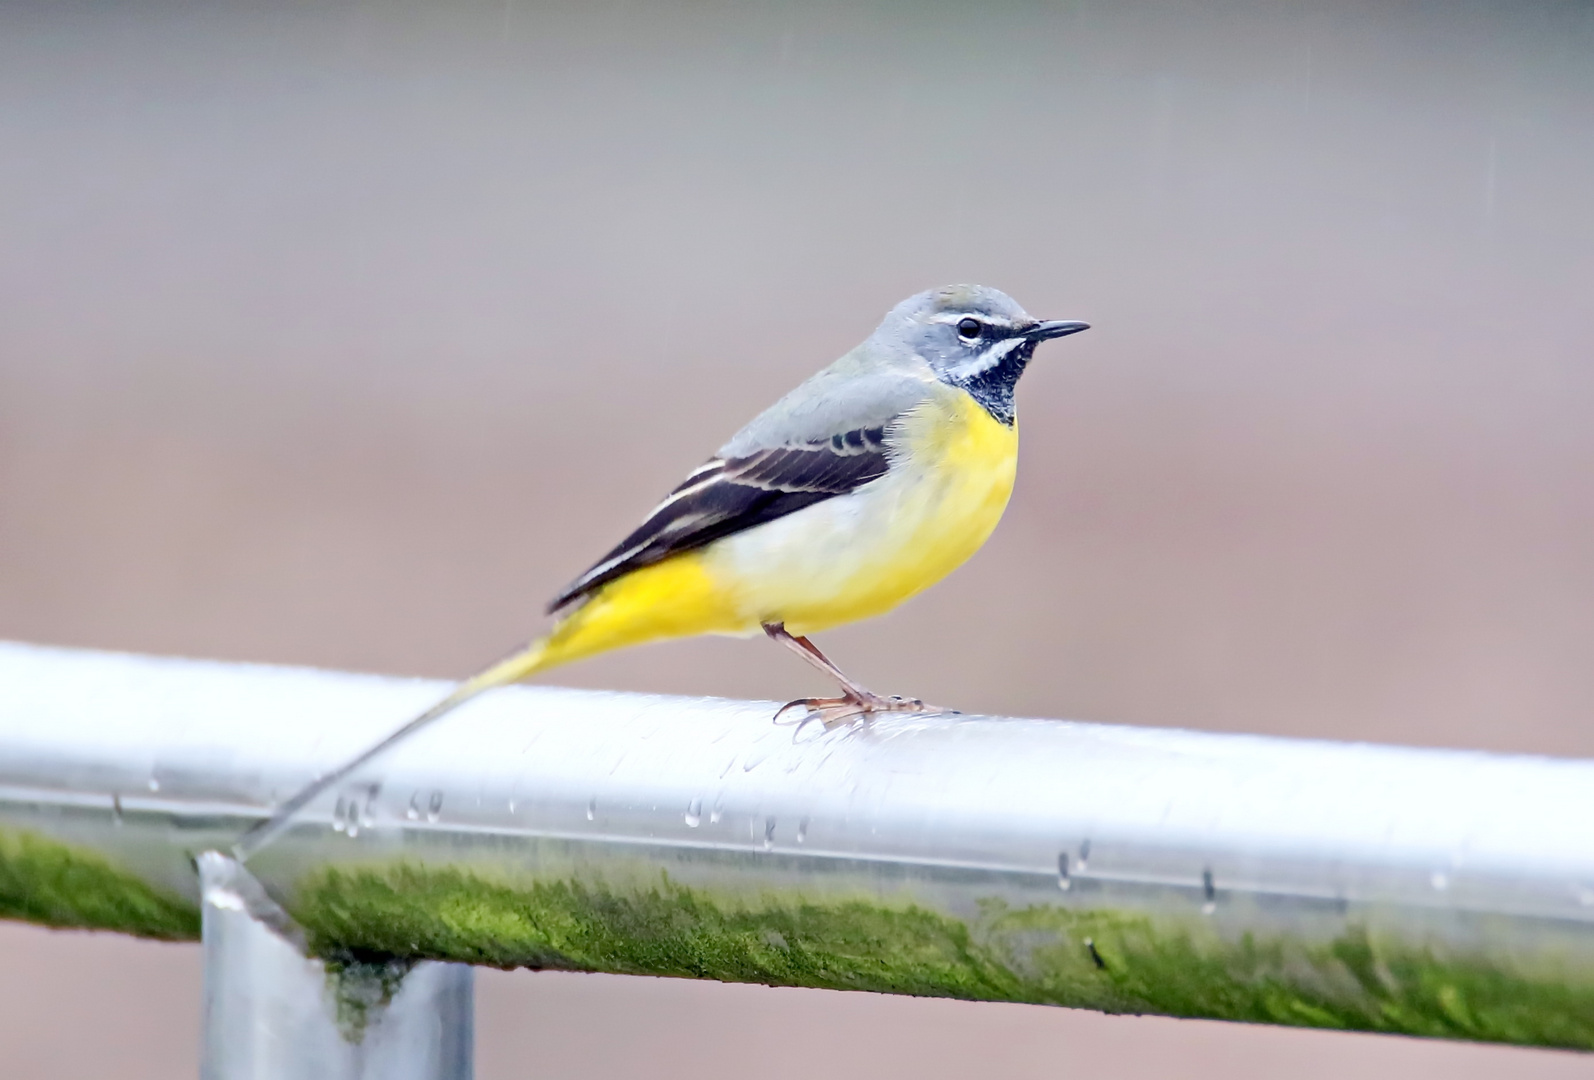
[[346, 333]]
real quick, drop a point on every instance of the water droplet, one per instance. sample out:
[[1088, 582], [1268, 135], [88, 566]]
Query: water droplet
[[1439, 881], [154, 784], [1064, 882], [694, 813], [413, 811], [592, 808], [348, 816], [1084, 855], [755, 757], [718, 811], [434, 806], [802, 830], [116, 808], [1586, 897], [1209, 891], [511, 806], [769, 832]]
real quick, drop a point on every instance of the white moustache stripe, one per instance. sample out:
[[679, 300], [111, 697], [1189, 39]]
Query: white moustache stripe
[[987, 359]]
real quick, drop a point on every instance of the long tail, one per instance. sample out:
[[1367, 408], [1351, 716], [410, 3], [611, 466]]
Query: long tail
[[530, 660], [673, 598]]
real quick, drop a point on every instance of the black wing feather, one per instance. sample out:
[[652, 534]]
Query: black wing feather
[[729, 495]]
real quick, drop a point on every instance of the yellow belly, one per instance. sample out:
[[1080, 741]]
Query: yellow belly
[[847, 558]]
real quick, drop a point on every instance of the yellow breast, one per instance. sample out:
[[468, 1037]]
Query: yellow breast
[[862, 554]]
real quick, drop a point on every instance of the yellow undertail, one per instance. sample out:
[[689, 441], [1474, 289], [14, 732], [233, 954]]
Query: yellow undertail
[[674, 598], [670, 599]]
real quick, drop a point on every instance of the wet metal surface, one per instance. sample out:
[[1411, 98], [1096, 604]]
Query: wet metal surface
[[152, 760]]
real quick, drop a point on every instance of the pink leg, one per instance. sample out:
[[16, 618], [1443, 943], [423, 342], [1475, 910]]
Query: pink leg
[[854, 703]]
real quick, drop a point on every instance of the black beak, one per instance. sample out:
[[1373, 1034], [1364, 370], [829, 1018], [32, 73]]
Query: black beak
[[1043, 331]]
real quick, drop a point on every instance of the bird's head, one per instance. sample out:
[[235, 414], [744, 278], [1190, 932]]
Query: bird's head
[[972, 337]]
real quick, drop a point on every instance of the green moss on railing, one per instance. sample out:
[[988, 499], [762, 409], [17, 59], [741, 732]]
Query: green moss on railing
[[1105, 960], [55, 884], [1114, 961]]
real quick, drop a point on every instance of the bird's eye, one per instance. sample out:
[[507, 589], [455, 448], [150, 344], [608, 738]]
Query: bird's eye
[[969, 328]]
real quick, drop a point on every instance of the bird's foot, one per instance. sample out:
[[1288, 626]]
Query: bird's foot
[[833, 712]]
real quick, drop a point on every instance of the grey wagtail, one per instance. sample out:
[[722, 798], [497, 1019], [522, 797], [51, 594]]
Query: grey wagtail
[[864, 486]]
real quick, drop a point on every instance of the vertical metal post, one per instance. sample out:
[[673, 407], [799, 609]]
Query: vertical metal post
[[273, 1013]]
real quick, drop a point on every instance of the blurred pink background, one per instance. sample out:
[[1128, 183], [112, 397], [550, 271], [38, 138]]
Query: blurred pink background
[[346, 334]]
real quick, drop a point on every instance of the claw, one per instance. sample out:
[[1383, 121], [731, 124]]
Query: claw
[[807, 705], [855, 703], [835, 711]]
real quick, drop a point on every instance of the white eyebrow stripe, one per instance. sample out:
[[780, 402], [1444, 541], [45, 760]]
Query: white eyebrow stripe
[[988, 320]]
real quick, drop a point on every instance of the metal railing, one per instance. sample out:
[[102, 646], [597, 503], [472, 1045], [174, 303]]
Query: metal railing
[[1427, 892]]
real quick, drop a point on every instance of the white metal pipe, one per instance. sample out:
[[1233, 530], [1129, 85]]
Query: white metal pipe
[[1264, 863]]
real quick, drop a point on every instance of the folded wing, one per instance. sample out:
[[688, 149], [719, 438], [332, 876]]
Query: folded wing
[[731, 493]]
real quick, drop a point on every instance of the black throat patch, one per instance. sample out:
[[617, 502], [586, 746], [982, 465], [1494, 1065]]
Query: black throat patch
[[993, 387]]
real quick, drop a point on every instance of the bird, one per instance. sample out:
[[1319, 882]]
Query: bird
[[865, 485]]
